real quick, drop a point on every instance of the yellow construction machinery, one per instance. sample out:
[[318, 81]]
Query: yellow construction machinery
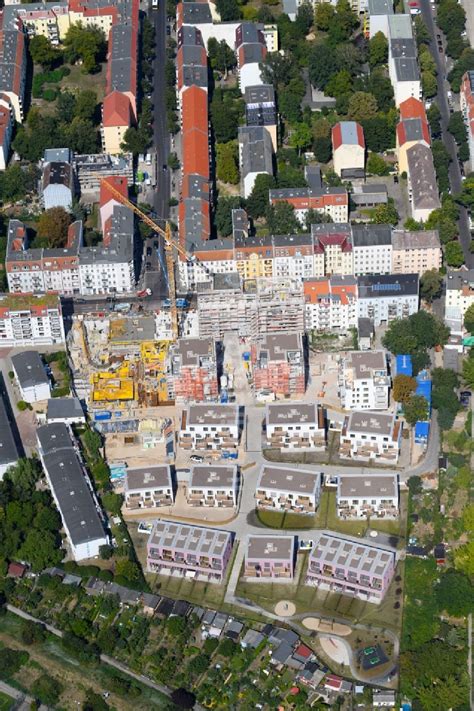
[[169, 245]]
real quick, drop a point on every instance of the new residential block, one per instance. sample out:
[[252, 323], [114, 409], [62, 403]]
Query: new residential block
[[295, 425], [286, 488], [269, 557]]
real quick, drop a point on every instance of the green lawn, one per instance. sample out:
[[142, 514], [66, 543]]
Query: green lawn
[[6, 702], [289, 521]]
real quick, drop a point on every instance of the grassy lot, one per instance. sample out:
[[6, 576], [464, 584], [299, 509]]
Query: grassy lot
[[6, 702], [76, 81], [50, 657], [289, 521]]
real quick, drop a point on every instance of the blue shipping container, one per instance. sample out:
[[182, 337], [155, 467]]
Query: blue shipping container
[[102, 416]]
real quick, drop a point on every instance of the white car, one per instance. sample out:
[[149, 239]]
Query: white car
[[196, 458]]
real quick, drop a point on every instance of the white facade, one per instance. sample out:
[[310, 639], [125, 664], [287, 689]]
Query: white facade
[[331, 314], [364, 381], [295, 426], [370, 436], [34, 393], [249, 75], [213, 486], [282, 488], [366, 496], [385, 309], [372, 259], [25, 327], [56, 195], [459, 294], [107, 278], [210, 427], [348, 156]]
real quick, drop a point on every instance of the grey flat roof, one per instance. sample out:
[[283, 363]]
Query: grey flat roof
[[428, 239], [148, 477], [133, 328], [190, 539], [366, 363], [353, 555], [270, 547], [400, 26], [292, 413], [279, 345], [371, 423], [213, 476], [371, 235], [387, 285], [458, 279], [260, 94], [64, 407], [299, 481], [192, 350], [363, 486], [380, 7], [29, 369], [65, 473], [8, 450], [213, 415], [406, 69], [422, 176], [256, 150]]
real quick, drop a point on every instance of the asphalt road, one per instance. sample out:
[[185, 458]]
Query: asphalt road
[[454, 170]]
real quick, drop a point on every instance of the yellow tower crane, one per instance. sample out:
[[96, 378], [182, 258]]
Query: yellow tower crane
[[169, 245]]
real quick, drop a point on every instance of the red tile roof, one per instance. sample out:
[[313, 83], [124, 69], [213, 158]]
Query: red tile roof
[[118, 182], [195, 153], [116, 110], [412, 108], [194, 111]]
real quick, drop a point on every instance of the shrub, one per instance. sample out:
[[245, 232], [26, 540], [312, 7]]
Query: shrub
[[22, 405], [50, 94]]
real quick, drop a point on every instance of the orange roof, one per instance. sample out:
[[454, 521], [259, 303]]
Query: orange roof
[[412, 108], [118, 182], [195, 153], [116, 110], [315, 289], [194, 111]]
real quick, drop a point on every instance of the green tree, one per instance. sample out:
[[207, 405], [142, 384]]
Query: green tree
[[362, 105], [112, 503], [11, 661], [454, 254], [53, 225], [385, 214], [322, 65], [42, 52], [24, 475], [228, 10], [376, 165], [86, 106], [431, 285], [403, 387], [223, 214], [314, 217], [464, 558], [322, 147], [300, 136], [128, 569], [227, 168], [281, 219], [427, 63], [221, 56], [469, 319], [15, 183], [32, 632], [176, 626], [421, 31], [87, 44], [258, 200], [324, 16], [378, 133], [415, 409], [444, 378], [339, 83], [378, 50], [429, 84], [441, 159], [455, 594], [41, 550], [46, 689], [94, 702]]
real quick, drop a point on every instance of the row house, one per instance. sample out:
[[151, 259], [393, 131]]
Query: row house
[[255, 156], [269, 557], [192, 372], [330, 304], [251, 50], [189, 551], [376, 17], [278, 365], [367, 496], [412, 129], [213, 485], [348, 566], [72, 491], [403, 59], [371, 436], [295, 425], [466, 98], [260, 109], [282, 488], [364, 381], [422, 183], [7, 123], [9, 454], [31, 377], [31, 320], [459, 297], [348, 149], [416, 252], [324, 199], [384, 297], [210, 428], [372, 248], [148, 487], [13, 62]]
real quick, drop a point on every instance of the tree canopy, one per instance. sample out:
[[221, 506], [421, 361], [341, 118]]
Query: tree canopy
[[415, 409], [455, 594], [53, 225], [403, 387], [85, 44]]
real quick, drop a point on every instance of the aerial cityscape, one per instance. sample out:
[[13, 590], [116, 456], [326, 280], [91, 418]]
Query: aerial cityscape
[[236, 355]]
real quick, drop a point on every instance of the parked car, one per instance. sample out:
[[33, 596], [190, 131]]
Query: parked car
[[196, 458]]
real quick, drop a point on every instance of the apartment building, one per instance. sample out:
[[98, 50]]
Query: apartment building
[[416, 252], [278, 365], [295, 425], [72, 491], [284, 488], [7, 123], [327, 200], [459, 296], [9, 451], [189, 551], [371, 436], [348, 149], [66, 410], [411, 130], [372, 249], [333, 249], [422, 184], [260, 109], [91, 169], [192, 373], [402, 59], [364, 381], [376, 17], [269, 557], [213, 485], [13, 62], [383, 298], [348, 566], [466, 98], [30, 320], [251, 50], [255, 156], [148, 487], [372, 497], [31, 377], [57, 185], [330, 304], [210, 428]]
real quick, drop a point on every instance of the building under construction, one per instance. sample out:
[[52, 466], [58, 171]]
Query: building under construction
[[192, 375], [253, 308], [278, 364]]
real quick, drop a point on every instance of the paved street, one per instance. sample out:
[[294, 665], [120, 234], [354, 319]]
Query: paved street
[[448, 140]]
